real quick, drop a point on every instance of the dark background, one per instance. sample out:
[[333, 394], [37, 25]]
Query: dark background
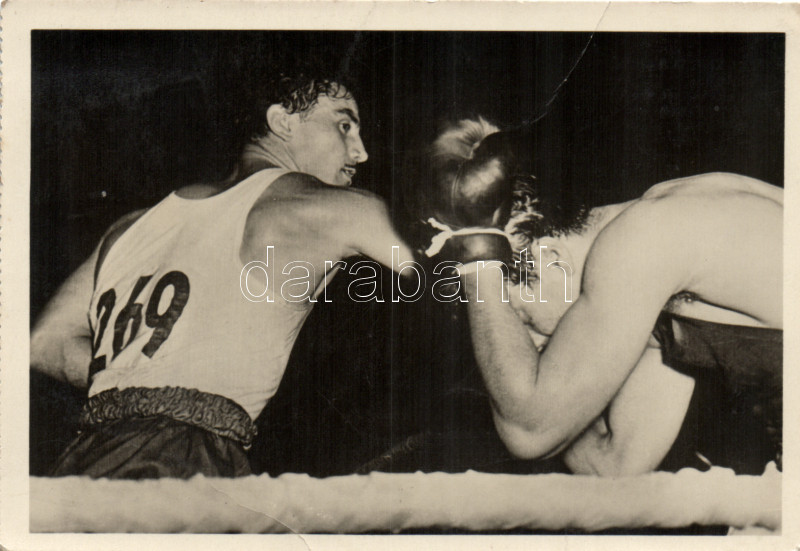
[[120, 119]]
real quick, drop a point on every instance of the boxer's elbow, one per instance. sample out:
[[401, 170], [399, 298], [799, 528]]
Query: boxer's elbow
[[64, 357], [529, 440], [46, 355]]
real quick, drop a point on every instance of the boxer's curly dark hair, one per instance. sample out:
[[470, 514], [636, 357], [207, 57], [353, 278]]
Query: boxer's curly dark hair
[[297, 93], [540, 209]]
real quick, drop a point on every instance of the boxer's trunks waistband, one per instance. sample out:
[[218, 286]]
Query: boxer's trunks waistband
[[211, 412]]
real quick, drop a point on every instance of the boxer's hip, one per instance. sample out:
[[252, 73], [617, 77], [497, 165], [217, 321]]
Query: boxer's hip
[[159, 432]]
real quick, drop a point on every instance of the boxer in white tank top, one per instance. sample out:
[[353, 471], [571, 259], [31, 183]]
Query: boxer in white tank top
[[182, 338], [171, 350]]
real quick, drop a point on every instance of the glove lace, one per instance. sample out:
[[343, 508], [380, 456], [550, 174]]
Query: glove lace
[[446, 232]]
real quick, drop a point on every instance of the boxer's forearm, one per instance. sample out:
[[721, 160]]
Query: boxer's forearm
[[61, 337], [363, 224], [508, 360]]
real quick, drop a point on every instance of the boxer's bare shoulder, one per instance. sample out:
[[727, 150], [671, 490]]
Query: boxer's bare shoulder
[[686, 226], [714, 183], [692, 205]]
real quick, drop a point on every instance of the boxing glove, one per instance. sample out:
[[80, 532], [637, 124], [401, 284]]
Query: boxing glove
[[476, 194]]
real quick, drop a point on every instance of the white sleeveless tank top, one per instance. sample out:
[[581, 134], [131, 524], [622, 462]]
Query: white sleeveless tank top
[[167, 308]]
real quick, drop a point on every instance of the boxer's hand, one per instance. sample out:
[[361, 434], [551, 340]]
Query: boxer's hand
[[480, 192]]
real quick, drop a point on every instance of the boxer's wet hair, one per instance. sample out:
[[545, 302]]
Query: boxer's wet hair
[[296, 93], [477, 149]]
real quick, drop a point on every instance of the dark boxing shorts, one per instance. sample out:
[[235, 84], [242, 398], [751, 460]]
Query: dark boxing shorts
[[735, 418], [164, 432]]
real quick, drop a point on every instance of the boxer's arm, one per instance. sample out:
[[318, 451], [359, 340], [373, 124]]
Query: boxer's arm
[[352, 221], [368, 230], [61, 343], [643, 421], [542, 403], [61, 337]]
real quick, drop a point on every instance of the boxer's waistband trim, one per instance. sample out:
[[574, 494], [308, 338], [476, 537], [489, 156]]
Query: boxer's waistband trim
[[212, 412]]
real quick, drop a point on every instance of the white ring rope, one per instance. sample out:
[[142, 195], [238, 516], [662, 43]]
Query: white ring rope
[[395, 502]]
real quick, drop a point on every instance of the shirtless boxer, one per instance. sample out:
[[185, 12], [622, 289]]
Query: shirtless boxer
[[687, 276], [177, 360]]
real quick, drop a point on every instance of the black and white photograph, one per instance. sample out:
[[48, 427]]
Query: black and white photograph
[[477, 282]]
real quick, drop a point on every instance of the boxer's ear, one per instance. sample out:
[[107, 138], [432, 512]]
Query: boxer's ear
[[279, 121], [550, 249]]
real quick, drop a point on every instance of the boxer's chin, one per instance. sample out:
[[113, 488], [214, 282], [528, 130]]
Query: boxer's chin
[[344, 179]]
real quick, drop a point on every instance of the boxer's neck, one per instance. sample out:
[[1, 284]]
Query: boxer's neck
[[267, 152], [600, 217]]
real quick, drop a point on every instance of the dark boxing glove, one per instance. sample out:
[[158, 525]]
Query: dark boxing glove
[[477, 194]]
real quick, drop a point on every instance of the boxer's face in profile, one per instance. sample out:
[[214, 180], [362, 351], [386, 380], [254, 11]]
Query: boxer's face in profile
[[326, 140]]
